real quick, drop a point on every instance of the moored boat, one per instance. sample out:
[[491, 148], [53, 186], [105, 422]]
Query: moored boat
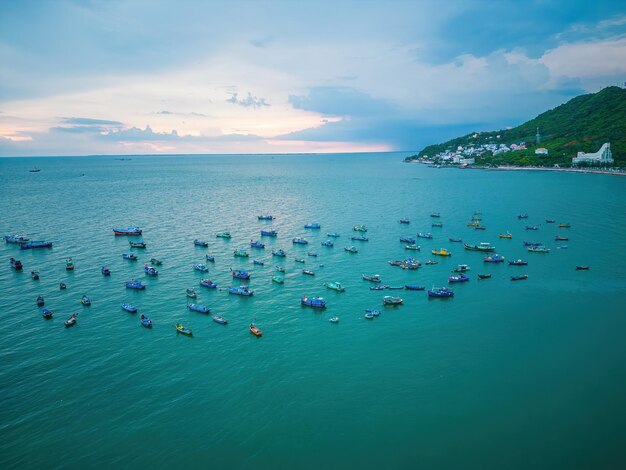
[[429, 262], [218, 319], [35, 245], [129, 255], [16, 264], [280, 269], [565, 226], [480, 247], [369, 315], [361, 238], [199, 308], [484, 276], [308, 272], [518, 262], [300, 260], [241, 290], [461, 268], [62, 286], [85, 300], [351, 249], [181, 329], [456, 240], [527, 244], [137, 244], [129, 308], [265, 217], [210, 258], [313, 302], [435, 215], [328, 243], [40, 301], [223, 235], [391, 300], [278, 279], [522, 216], [149, 270], [256, 244], [440, 292], [201, 243], [47, 314], [459, 278], [258, 263], [359, 228], [334, 319], [404, 221], [255, 330], [240, 253], [372, 278], [582, 268], [299, 241], [561, 239], [19, 239], [332, 234], [424, 235], [441, 252], [145, 321], [34, 275], [436, 224], [200, 267], [128, 231], [208, 283], [506, 235], [519, 278], [191, 293], [105, 271], [336, 286], [409, 240], [240, 274], [71, 321], [413, 287], [494, 259], [532, 227], [134, 284], [280, 253], [156, 262], [313, 226], [269, 233], [538, 249]]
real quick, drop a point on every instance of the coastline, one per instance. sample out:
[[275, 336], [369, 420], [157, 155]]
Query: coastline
[[567, 170]]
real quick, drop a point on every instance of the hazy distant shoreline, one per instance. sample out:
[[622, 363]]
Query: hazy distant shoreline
[[568, 170]]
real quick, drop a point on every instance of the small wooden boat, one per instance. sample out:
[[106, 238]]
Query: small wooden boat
[[199, 308], [85, 300], [220, 320], [16, 264], [518, 262], [208, 283], [456, 240], [336, 286], [484, 276], [412, 247], [137, 244], [412, 287], [19, 239], [373, 311], [225, 235], [441, 252], [134, 284], [313, 226], [561, 239], [480, 247], [210, 258], [191, 293], [506, 235], [369, 315], [200, 267], [371, 278], [435, 215], [47, 314], [105, 271], [40, 301], [279, 253], [258, 263], [429, 262], [313, 302], [129, 255], [62, 286], [328, 243], [145, 321], [71, 321], [129, 308], [34, 275], [404, 221], [156, 262], [280, 269], [149, 270], [550, 221], [359, 228], [519, 278], [436, 224], [538, 249], [265, 217], [308, 272], [334, 319], [332, 234], [240, 254], [461, 268], [69, 265], [255, 331], [181, 329], [390, 300], [565, 226], [278, 279], [582, 268], [299, 260], [522, 216], [351, 249], [201, 243]]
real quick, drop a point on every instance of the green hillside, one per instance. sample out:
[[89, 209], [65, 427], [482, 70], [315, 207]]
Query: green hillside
[[582, 124]]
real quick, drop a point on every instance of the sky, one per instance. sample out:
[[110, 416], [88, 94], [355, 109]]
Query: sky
[[181, 77]]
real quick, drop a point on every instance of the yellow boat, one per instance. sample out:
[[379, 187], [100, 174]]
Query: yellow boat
[[508, 235], [442, 252]]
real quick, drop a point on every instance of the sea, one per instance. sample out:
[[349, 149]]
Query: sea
[[516, 375]]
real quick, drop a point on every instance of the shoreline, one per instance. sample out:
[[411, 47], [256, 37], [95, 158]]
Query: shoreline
[[567, 170]]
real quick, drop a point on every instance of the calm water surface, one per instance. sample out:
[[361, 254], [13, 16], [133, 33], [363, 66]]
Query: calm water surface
[[505, 375]]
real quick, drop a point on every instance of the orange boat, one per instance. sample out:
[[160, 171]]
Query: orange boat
[[255, 331]]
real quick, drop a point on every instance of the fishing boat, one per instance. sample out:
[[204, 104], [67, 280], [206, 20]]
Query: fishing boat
[[481, 247], [532, 227], [241, 290], [413, 287], [280, 269], [412, 247], [436, 224], [300, 241], [519, 278], [328, 243], [19, 239], [240, 253], [47, 314], [34, 275], [300, 260], [255, 330], [201, 243], [351, 249], [395, 262], [441, 252], [550, 221], [373, 311], [335, 286], [199, 308], [477, 219], [582, 268], [518, 262], [562, 247], [128, 231], [378, 287], [105, 271], [200, 267], [85, 300], [223, 235], [181, 329], [472, 223], [265, 217], [130, 255], [40, 301], [429, 262], [424, 235], [334, 319], [62, 286], [210, 258], [494, 259], [279, 253], [461, 268], [257, 244], [311, 254], [269, 233], [308, 272], [361, 238], [208, 283], [369, 315], [332, 234], [522, 216], [191, 293], [16, 264], [373, 278], [404, 221], [409, 240], [359, 228], [395, 287], [313, 302], [480, 227], [258, 263], [440, 292], [484, 276], [145, 321], [241, 274], [35, 245], [435, 215], [278, 279], [565, 226], [456, 240], [459, 278], [506, 235], [137, 244], [150, 271], [129, 308], [133, 284], [538, 249], [560, 239], [527, 244], [220, 320], [313, 226], [71, 321], [390, 300], [156, 262]]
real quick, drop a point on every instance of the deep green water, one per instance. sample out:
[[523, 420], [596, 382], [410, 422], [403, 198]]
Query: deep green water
[[505, 375]]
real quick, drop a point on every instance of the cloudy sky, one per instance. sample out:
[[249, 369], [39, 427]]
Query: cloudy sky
[[180, 76]]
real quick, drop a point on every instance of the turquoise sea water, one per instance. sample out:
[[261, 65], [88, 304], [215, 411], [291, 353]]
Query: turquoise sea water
[[529, 374]]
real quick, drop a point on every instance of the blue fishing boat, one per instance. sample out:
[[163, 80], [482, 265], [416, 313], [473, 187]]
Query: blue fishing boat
[[458, 278], [373, 311], [265, 217], [539, 249], [220, 320], [129, 308], [494, 259], [279, 253], [424, 235], [203, 244], [241, 290], [133, 284], [527, 244], [412, 287], [313, 302], [522, 216], [35, 245], [130, 255], [369, 315], [145, 321], [208, 283], [210, 258], [241, 274], [332, 234], [16, 264], [269, 233], [328, 243], [128, 231], [360, 238], [85, 300], [150, 271], [435, 214], [409, 240], [532, 227], [40, 301], [47, 314], [19, 239], [436, 224], [440, 292], [313, 226], [105, 271], [256, 244], [258, 263], [519, 262], [519, 278], [300, 241], [200, 267], [137, 244], [199, 308]]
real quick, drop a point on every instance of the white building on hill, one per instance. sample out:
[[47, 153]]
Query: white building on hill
[[601, 157]]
